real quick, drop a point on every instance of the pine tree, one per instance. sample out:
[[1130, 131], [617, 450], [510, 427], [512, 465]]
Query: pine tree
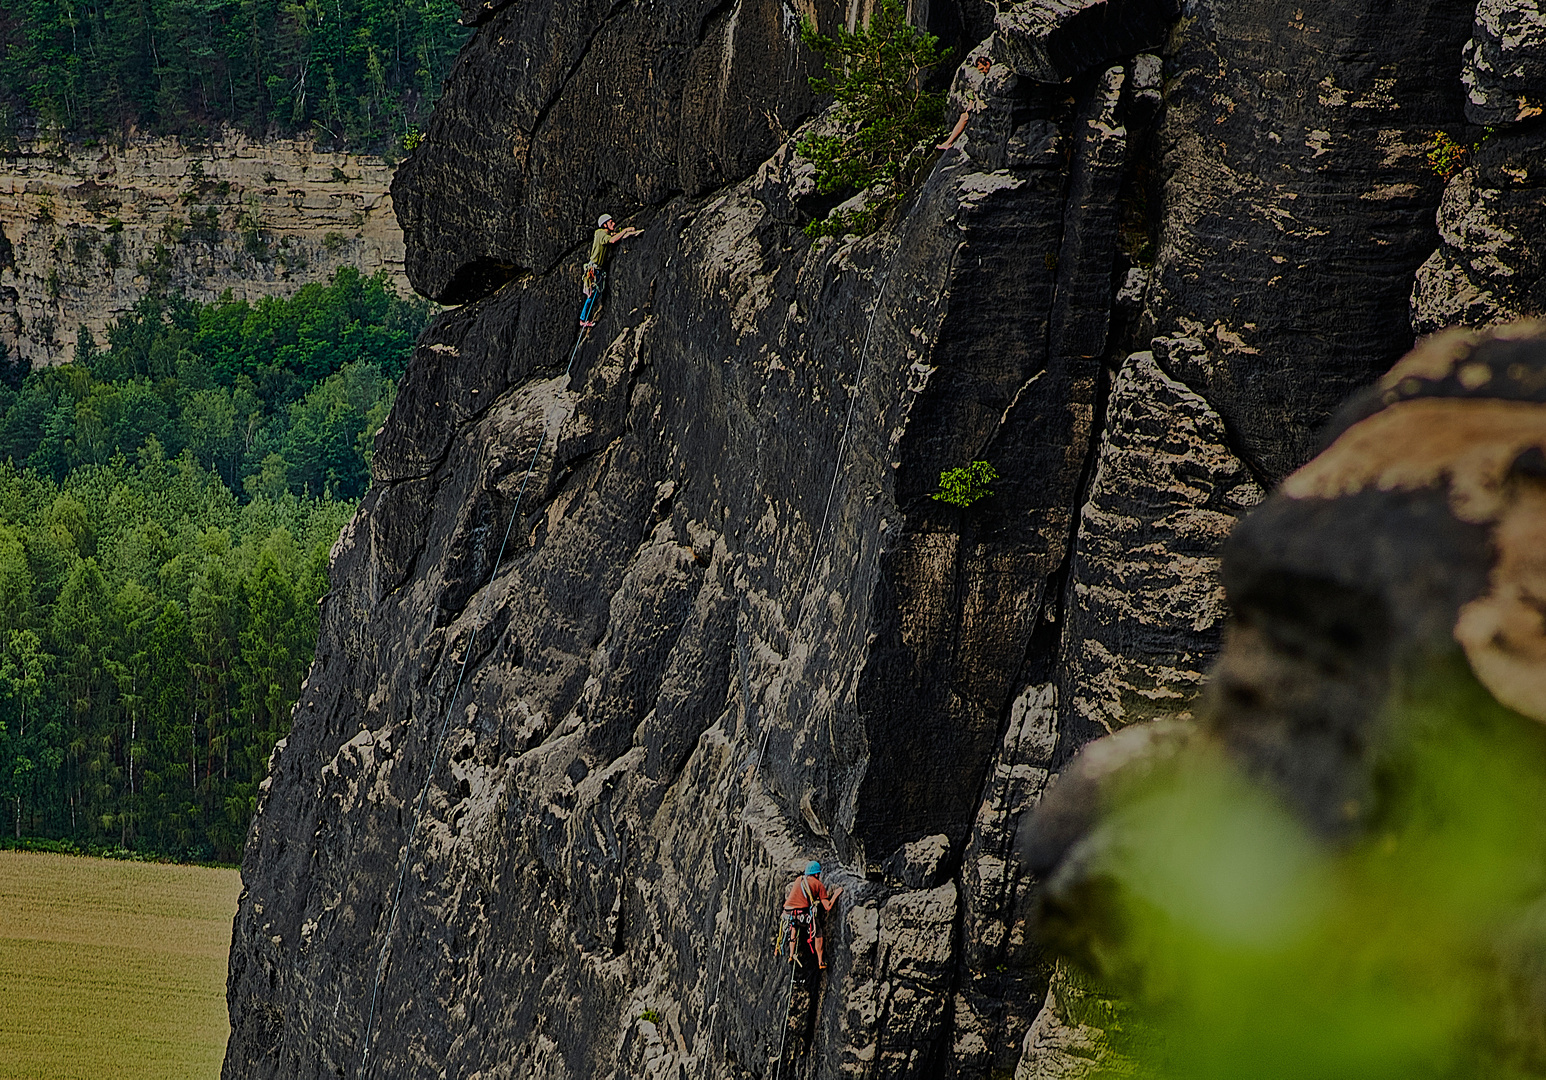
[[876, 78]]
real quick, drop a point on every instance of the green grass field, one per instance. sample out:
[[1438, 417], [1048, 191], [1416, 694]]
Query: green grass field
[[112, 970]]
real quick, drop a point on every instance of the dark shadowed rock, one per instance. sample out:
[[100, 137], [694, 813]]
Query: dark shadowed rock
[[1053, 40], [996, 995], [558, 112], [1297, 204]]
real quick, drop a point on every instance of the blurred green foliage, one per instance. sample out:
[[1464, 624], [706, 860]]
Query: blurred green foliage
[[361, 72], [167, 505], [1251, 950]]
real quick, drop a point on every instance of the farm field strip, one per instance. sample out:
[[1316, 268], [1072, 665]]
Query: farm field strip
[[112, 969]]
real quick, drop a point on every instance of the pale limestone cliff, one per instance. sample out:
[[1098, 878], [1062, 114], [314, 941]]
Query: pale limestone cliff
[[87, 229]]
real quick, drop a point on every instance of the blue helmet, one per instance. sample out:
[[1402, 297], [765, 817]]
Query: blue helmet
[[814, 869]]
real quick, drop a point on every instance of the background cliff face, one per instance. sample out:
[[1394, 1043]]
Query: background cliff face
[[731, 631], [87, 230]]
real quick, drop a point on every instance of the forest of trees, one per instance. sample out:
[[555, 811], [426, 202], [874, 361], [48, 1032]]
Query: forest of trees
[[359, 73], [167, 505]]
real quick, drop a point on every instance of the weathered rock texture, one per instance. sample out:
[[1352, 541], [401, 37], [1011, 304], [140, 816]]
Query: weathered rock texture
[[1505, 63], [557, 113], [1146, 598], [1411, 551], [86, 230], [1068, 1040], [1489, 266], [1297, 204], [1057, 39], [732, 631]]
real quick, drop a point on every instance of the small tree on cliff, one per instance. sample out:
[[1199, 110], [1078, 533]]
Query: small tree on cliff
[[875, 73]]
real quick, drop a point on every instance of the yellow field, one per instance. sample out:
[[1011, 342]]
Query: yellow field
[[112, 970]]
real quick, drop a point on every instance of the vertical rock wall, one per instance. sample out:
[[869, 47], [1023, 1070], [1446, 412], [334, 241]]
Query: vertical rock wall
[[731, 630], [1489, 265]]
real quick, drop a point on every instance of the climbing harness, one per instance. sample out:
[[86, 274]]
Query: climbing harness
[[445, 724], [595, 285], [796, 918]]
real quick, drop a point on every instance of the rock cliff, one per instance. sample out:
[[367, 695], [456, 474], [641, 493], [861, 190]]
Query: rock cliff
[[728, 630], [86, 230]]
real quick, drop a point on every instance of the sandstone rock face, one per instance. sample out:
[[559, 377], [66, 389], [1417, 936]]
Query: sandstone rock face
[[1053, 40], [86, 230], [1505, 62], [1297, 204], [730, 630], [1147, 609], [1489, 266], [1068, 1040]]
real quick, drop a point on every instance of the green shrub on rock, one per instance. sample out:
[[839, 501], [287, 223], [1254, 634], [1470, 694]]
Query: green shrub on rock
[[875, 74], [964, 486]]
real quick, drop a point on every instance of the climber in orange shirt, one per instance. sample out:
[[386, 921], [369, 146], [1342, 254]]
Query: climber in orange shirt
[[800, 909]]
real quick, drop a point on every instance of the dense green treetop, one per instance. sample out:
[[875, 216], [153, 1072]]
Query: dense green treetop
[[359, 72], [167, 505], [877, 76], [274, 396]]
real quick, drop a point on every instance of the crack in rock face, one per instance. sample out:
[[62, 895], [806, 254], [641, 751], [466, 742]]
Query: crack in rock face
[[723, 639]]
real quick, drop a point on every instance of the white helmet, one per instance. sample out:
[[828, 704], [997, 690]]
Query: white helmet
[[602, 223]]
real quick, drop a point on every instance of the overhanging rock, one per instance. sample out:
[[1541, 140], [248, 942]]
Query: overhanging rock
[[1053, 40]]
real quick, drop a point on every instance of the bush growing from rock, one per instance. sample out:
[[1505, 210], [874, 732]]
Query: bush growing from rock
[[876, 78]]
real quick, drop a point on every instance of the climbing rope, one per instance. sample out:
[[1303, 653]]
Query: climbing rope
[[778, 1066], [445, 724], [842, 446], [837, 468]]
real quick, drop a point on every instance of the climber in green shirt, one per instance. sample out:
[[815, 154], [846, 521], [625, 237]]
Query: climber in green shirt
[[606, 234]]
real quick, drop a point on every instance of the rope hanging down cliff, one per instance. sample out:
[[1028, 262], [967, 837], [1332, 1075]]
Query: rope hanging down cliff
[[816, 542], [586, 323]]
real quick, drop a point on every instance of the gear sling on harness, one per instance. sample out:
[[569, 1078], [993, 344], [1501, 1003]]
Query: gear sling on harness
[[595, 285]]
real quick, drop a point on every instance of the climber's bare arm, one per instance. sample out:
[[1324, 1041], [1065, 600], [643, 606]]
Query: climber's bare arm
[[955, 132]]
